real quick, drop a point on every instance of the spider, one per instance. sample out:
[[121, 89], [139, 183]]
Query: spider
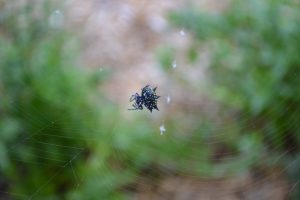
[[148, 98]]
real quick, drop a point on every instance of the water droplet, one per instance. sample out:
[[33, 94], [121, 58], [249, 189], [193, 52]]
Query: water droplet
[[168, 99], [182, 33], [162, 129], [174, 64], [56, 19]]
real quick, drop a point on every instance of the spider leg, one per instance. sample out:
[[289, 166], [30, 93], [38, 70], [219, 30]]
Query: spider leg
[[133, 97], [139, 106], [154, 89], [145, 88], [136, 107]]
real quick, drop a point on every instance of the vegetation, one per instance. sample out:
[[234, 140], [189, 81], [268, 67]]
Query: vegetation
[[60, 138], [254, 49]]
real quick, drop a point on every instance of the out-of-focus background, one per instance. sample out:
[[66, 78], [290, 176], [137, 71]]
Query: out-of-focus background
[[227, 73]]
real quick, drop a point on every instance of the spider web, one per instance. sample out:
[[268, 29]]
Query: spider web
[[177, 137], [46, 158], [71, 153]]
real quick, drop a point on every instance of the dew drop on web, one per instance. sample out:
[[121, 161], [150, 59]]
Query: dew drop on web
[[174, 64], [56, 19], [162, 129], [182, 32], [168, 99]]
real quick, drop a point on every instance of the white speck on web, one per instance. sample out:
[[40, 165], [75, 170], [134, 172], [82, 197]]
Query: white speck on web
[[162, 129], [174, 64], [182, 33], [168, 99], [56, 19]]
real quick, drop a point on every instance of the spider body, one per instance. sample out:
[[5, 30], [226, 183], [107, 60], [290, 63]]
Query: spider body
[[148, 98]]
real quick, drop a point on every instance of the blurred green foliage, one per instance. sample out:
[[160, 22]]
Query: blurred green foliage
[[44, 98], [60, 137], [255, 65]]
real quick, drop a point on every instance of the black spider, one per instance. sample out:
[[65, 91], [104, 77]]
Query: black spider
[[148, 98]]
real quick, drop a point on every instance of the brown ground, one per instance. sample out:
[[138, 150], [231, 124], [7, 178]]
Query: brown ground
[[184, 188]]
